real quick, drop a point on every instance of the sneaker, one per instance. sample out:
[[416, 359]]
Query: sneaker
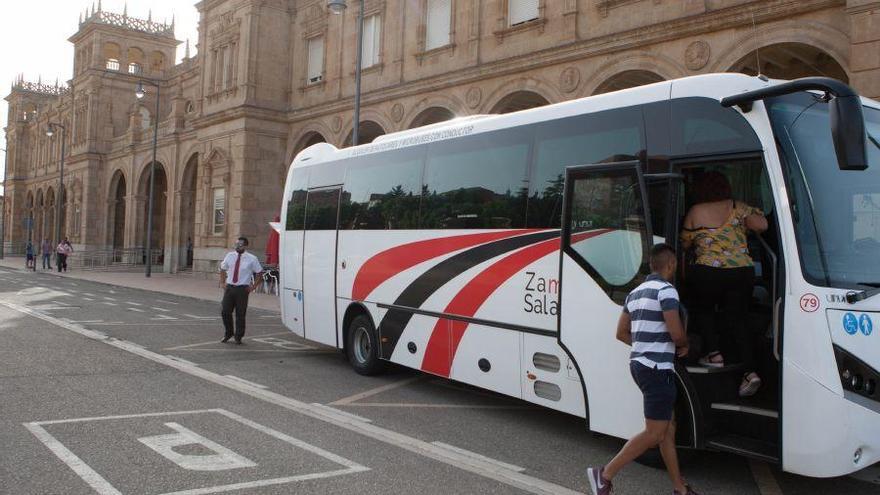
[[598, 483], [688, 491], [749, 386], [712, 360]]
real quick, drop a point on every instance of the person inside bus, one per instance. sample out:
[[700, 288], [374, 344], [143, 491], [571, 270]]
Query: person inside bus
[[723, 273]]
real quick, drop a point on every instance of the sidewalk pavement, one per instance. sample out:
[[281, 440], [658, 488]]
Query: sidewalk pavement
[[184, 284]]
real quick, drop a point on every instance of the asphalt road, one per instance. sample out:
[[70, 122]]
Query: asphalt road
[[112, 390]]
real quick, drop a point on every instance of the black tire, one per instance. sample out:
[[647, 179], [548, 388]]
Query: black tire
[[362, 347]]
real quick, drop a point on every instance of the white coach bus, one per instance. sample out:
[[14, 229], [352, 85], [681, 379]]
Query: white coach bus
[[497, 250]]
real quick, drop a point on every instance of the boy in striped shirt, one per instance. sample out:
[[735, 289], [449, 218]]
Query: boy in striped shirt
[[651, 324]]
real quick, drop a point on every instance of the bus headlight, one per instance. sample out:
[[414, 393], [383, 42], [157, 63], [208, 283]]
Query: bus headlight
[[856, 376]]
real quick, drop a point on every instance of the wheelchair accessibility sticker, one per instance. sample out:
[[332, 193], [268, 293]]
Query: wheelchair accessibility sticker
[[866, 325], [850, 323], [853, 324]]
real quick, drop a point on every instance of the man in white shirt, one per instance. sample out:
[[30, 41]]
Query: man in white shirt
[[239, 276]]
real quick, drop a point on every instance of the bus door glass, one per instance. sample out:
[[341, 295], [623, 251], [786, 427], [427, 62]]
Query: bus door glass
[[291, 252], [319, 259], [606, 236]]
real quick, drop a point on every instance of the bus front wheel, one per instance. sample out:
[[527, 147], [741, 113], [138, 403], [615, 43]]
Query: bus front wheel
[[362, 347]]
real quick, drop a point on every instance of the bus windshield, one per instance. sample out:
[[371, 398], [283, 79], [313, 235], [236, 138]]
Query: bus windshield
[[836, 212]]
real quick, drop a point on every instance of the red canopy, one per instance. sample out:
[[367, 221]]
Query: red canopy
[[272, 245]]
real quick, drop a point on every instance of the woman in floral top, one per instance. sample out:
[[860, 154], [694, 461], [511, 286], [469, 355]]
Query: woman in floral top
[[723, 275]]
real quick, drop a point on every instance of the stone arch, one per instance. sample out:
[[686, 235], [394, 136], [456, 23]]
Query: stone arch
[[116, 206], [135, 60], [628, 79], [532, 85], [450, 104], [304, 140], [112, 54], [519, 100], [188, 193], [664, 67], [159, 211], [790, 61], [819, 35], [431, 115], [367, 132]]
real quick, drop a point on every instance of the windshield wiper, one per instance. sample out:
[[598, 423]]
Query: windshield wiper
[[860, 295]]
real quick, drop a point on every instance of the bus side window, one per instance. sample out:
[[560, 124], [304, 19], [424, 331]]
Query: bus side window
[[321, 209], [478, 182], [383, 192], [296, 205], [611, 136]]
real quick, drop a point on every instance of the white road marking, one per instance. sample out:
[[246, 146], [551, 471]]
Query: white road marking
[[163, 317], [103, 487], [160, 309], [179, 359], [79, 467], [247, 382], [187, 346], [502, 465], [416, 405], [411, 444], [136, 310], [86, 321], [378, 390], [133, 303], [86, 298], [333, 410], [767, 484], [109, 298], [222, 459], [195, 317], [89, 294]]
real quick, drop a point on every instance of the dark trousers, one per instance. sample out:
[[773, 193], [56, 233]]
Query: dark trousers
[[47, 261], [721, 297], [62, 262], [235, 298]]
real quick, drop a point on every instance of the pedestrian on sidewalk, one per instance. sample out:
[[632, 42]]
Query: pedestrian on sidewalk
[[64, 250], [46, 251], [29, 261], [651, 324], [239, 274]]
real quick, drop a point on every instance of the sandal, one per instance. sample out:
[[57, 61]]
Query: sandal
[[749, 386], [712, 360]]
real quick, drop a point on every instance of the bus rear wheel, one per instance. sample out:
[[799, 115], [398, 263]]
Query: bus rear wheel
[[362, 347]]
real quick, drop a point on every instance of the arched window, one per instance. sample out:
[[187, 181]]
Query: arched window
[[112, 55], [135, 68], [112, 64], [157, 62]]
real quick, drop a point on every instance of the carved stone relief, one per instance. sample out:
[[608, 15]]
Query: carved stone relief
[[473, 97], [569, 79], [697, 55]]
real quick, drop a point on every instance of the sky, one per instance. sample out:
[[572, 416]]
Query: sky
[[35, 33]]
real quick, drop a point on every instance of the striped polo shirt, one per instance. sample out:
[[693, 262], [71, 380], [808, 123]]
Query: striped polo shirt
[[652, 345]]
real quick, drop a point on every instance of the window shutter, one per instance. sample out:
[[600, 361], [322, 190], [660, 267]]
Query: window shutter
[[438, 23], [370, 52], [520, 11], [316, 59]]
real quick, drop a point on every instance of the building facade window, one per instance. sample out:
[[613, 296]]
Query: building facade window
[[521, 11], [372, 41], [219, 207], [438, 23], [112, 64], [135, 68], [316, 59]]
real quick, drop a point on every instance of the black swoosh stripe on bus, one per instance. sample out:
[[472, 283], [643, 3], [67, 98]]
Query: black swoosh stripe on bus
[[415, 294]]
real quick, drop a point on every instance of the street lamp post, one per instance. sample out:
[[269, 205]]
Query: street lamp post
[[50, 131], [338, 7], [140, 93]]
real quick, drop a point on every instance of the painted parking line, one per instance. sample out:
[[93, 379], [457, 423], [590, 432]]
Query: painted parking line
[[500, 464], [136, 310], [420, 447], [109, 298], [375, 391], [222, 458], [247, 382], [163, 318], [196, 317]]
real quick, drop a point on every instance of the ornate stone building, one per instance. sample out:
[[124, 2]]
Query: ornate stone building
[[274, 76]]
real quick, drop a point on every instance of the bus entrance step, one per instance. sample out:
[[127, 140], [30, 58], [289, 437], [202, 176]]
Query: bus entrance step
[[749, 447], [745, 408]]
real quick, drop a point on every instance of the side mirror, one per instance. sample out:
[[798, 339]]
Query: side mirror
[[848, 132]]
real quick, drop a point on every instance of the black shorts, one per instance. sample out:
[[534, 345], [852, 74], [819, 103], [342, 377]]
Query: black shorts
[[658, 388]]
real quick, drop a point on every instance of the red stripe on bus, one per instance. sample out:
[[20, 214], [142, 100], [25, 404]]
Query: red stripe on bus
[[442, 346], [392, 261]]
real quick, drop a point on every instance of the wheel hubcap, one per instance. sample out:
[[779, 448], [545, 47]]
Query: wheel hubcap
[[362, 345]]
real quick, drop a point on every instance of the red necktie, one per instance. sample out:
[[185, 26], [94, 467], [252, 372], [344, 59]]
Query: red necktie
[[235, 270]]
